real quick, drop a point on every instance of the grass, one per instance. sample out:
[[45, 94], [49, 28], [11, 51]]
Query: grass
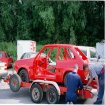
[[11, 48]]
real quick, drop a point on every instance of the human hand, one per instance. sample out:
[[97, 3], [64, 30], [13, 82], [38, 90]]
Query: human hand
[[85, 87]]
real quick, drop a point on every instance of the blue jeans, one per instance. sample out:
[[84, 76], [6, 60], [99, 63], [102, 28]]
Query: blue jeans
[[101, 90], [71, 97]]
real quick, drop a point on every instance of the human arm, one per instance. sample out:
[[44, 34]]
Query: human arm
[[80, 84], [90, 80], [93, 75], [97, 81]]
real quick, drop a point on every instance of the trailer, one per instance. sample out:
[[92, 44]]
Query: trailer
[[38, 87]]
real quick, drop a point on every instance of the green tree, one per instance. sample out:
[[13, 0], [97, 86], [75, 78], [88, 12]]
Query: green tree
[[75, 22]]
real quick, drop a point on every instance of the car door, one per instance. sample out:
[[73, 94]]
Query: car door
[[45, 66], [51, 65], [71, 58]]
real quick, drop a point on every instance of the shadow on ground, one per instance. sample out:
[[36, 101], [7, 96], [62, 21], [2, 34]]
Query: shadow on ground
[[23, 97]]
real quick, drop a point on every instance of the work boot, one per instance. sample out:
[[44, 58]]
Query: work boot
[[98, 102]]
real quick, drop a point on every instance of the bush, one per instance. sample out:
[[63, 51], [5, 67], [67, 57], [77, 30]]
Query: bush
[[11, 48]]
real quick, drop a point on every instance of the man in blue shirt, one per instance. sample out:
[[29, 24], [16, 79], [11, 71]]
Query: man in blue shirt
[[96, 72], [73, 82]]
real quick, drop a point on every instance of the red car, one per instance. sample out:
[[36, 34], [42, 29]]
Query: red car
[[52, 62], [4, 57]]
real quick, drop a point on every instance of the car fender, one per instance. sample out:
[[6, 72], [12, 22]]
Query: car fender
[[25, 69], [65, 71]]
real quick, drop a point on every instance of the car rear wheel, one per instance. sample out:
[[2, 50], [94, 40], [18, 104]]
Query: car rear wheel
[[52, 95], [24, 75], [36, 93]]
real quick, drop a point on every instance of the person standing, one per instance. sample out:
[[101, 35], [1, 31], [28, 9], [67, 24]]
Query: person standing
[[96, 72], [73, 82]]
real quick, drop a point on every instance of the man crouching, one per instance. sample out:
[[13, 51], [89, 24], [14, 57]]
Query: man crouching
[[73, 82]]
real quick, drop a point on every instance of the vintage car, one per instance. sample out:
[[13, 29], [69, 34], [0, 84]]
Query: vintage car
[[53, 62], [4, 58]]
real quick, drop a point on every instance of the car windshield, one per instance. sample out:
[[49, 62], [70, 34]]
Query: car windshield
[[33, 55], [29, 55]]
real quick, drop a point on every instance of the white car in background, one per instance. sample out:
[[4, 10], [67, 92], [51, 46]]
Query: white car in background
[[29, 55], [90, 52], [94, 54]]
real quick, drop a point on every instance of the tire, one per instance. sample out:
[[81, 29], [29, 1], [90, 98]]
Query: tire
[[15, 83], [38, 96], [52, 95], [24, 75]]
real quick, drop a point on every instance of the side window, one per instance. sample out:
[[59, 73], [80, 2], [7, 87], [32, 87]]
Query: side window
[[45, 52], [61, 54], [53, 55], [23, 56], [92, 54], [70, 54]]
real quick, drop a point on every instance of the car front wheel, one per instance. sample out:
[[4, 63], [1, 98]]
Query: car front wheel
[[24, 75]]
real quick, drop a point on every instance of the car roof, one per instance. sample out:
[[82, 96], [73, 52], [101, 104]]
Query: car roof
[[31, 52], [85, 47], [59, 45]]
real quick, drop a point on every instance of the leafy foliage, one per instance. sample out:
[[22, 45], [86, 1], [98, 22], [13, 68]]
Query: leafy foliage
[[75, 22]]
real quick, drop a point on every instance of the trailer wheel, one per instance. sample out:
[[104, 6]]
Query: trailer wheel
[[52, 95], [24, 75], [15, 83], [36, 93]]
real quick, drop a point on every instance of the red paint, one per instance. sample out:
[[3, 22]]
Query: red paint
[[15, 82], [84, 93], [5, 58], [39, 67], [24, 84]]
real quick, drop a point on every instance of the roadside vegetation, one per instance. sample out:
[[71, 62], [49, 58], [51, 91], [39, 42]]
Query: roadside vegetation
[[56, 21], [43, 21], [11, 48]]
